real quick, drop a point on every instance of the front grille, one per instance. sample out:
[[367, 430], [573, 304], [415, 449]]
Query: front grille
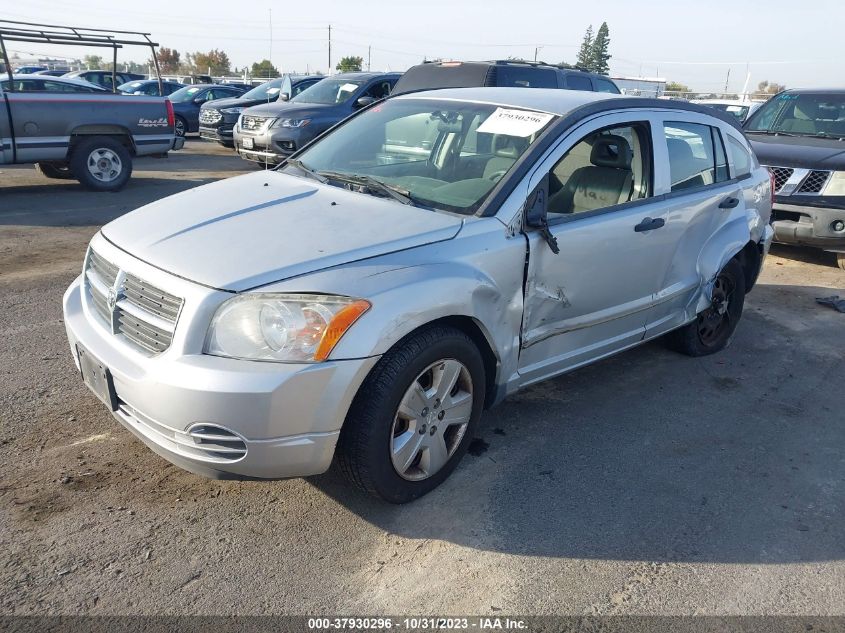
[[253, 123], [130, 307], [781, 174], [814, 182], [210, 116]]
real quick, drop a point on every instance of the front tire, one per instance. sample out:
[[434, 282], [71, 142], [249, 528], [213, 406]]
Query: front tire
[[713, 328], [55, 171], [413, 418], [101, 163]]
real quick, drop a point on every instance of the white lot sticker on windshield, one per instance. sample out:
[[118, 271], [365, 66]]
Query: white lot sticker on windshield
[[514, 122], [348, 87]]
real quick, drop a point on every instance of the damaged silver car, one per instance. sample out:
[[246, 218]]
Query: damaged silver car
[[436, 252]]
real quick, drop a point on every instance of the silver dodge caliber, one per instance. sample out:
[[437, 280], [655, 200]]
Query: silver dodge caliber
[[365, 301]]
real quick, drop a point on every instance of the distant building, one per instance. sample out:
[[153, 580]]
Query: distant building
[[641, 86]]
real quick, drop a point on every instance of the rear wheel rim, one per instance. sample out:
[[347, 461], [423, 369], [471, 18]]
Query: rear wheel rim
[[431, 420], [715, 320], [179, 127], [104, 164]]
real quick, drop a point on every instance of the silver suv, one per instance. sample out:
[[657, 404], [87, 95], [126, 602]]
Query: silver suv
[[417, 264]]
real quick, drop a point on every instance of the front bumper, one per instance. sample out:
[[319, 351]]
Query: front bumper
[[808, 226], [221, 133], [271, 145], [286, 416]]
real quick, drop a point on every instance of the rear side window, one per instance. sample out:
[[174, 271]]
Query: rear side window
[[578, 82], [740, 157], [603, 85], [520, 77], [696, 155]]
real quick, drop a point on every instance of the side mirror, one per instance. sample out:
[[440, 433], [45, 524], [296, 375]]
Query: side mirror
[[283, 96], [363, 102], [536, 208]]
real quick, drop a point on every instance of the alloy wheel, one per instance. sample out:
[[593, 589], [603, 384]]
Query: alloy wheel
[[104, 164], [713, 321]]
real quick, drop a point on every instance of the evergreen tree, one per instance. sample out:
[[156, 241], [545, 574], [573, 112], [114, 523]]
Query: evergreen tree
[[600, 54], [585, 55]]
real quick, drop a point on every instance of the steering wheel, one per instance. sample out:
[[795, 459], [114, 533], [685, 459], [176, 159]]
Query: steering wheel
[[497, 175]]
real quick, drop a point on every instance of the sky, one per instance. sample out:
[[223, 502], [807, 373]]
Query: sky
[[701, 44]]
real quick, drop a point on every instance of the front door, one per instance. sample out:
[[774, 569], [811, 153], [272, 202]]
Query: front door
[[593, 298]]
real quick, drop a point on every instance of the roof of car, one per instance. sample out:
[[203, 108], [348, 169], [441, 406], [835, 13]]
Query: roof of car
[[65, 80], [561, 102], [362, 75]]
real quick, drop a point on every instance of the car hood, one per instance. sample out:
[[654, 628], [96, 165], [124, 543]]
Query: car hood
[[233, 102], [252, 230], [301, 110], [798, 151]]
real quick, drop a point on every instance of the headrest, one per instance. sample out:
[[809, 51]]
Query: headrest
[[679, 150], [508, 146], [610, 150], [807, 110]]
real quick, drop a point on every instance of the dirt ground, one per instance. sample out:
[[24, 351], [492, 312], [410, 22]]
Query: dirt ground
[[649, 483]]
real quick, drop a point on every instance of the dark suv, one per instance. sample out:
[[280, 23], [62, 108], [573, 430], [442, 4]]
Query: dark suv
[[502, 73], [216, 120], [798, 135], [103, 77]]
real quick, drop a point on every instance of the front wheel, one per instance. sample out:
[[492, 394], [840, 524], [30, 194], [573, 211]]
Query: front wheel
[[101, 163], [713, 328], [414, 416]]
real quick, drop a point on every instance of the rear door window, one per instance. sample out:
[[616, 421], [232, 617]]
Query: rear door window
[[696, 155], [578, 82], [740, 157], [522, 77]]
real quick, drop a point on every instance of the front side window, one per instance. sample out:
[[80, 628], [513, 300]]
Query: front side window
[[441, 154], [188, 93], [604, 169], [268, 90], [329, 92], [696, 155], [801, 114], [379, 90]]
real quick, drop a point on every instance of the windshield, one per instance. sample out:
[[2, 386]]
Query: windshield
[[268, 90], [131, 86], [446, 155], [808, 114], [739, 111], [188, 93], [328, 91]]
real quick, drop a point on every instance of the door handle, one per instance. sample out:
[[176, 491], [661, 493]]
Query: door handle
[[729, 203], [649, 224]]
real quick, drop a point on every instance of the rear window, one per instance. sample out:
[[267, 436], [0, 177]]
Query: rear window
[[442, 75], [603, 85], [521, 77]]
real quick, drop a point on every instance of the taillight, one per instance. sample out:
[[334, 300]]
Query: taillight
[[171, 117]]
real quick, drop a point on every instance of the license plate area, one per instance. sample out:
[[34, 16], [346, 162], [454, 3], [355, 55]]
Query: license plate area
[[247, 143], [97, 377]]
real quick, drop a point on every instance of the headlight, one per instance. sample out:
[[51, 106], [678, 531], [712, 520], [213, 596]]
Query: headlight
[[836, 185], [291, 122], [282, 327], [232, 110]]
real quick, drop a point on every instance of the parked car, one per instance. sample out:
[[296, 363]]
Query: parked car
[[53, 73], [89, 134], [740, 109], [270, 133], [45, 83], [104, 77], [502, 73], [26, 70], [149, 87], [418, 263], [217, 121], [799, 136], [188, 100]]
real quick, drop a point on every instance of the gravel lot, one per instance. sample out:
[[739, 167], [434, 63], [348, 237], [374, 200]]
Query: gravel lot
[[649, 483]]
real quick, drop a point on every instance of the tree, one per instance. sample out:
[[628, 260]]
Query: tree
[[585, 54], [214, 62], [264, 68], [168, 60], [766, 88], [600, 54], [93, 62], [676, 86], [350, 64]]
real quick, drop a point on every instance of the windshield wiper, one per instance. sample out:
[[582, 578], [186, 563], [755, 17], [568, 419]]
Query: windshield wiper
[[771, 132], [295, 162], [373, 185]]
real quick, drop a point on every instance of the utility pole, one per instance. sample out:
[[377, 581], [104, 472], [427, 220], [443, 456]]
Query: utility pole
[[536, 52], [369, 57], [330, 50], [727, 79]]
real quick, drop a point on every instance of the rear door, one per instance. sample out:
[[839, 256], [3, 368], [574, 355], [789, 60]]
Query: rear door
[[592, 298], [5, 130], [699, 197]]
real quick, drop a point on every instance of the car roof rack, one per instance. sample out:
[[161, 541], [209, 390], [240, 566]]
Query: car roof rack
[[33, 32], [526, 62]]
